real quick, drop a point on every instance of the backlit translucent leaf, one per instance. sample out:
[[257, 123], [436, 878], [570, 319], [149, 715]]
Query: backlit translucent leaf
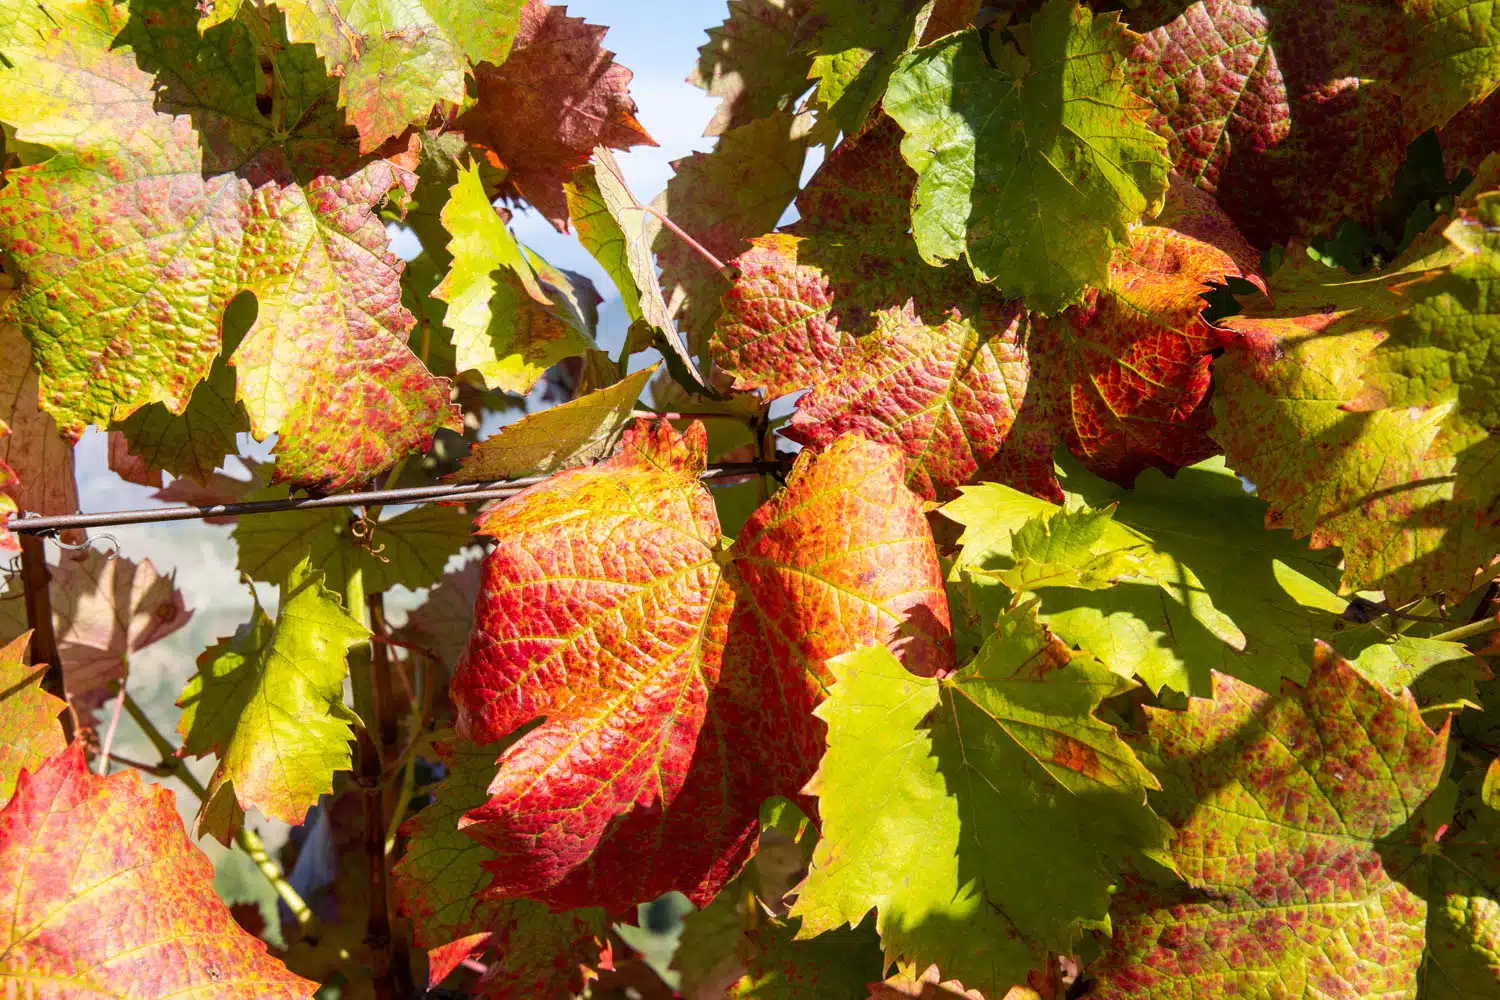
[[1033, 166], [776, 332], [1218, 90], [1203, 521], [723, 198], [1157, 623], [396, 59], [408, 550], [1439, 350], [29, 728], [105, 607], [1297, 115], [38, 456], [1290, 812], [270, 702], [944, 394], [856, 50], [1120, 378], [1068, 548], [196, 441], [971, 811], [676, 693], [1302, 395], [752, 62], [438, 886], [502, 326], [559, 437], [1453, 59], [441, 623], [1461, 882], [614, 227], [158, 930], [557, 96], [132, 239]]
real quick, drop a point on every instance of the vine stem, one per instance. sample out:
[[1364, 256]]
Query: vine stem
[[702, 250], [35, 579], [390, 960], [1469, 631], [173, 766]]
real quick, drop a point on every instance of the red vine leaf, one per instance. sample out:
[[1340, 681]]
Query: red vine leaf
[[1288, 811], [776, 332], [541, 112], [1121, 378], [724, 198], [677, 694], [1271, 106], [944, 394], [159, 929]]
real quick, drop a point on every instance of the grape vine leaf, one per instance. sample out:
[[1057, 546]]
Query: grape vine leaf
[[104, 608], [1216, 85], [441, 623], [945, 394], [129, 239], [1298, 115], [936, 794], [1461, 883], [29, 730], [129, 467], [752, 62], [1126, 371], [438, 885], [502, 326], [1018, 172], [930, 985], [219, 488], [1290, 812], [160, 930], [723, 198], [836, 964], [1300, 394], [618, 231], [1436, 353], [407, 550], [678, 684], [196, 441], [776, 332], [855, 50], [1203, 521], [1157, 622], [270, 702], [540, 114], [573, 433], [38, 456], [395, 62]]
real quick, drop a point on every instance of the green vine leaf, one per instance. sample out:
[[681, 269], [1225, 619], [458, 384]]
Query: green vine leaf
[[965, 774], [270, 702], [1033, 158]]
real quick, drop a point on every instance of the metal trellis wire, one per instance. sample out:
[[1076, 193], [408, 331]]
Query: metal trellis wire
[[46, 527]]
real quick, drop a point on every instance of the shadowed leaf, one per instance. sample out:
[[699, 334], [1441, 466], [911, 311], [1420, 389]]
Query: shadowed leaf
[[557, 96]]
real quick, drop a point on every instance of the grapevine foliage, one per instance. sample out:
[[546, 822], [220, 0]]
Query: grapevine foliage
[[1109, 613]]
